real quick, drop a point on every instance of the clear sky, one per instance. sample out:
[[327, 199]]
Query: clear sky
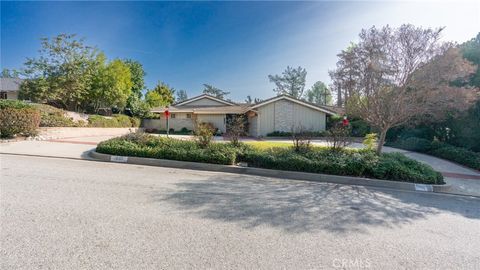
[[231, 45]]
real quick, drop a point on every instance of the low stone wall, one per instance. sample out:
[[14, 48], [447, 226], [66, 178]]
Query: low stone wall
[[72, 132]]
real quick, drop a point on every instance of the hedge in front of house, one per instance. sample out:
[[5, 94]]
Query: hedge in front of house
[[18, 120], [458, 154], [166, 148], [442, 150], [361, 163], [391, 166]]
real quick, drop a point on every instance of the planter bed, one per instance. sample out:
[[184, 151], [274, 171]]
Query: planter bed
[[319, 160]]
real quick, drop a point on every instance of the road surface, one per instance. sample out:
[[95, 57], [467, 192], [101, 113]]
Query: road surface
[[75, 214]]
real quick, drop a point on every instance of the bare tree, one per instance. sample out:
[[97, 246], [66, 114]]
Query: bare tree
[[401, 74], [301, 138], [338, 136], [236, 128]]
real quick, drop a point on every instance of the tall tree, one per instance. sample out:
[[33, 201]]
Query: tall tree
[[319, 94], [10, 73], [111, 84], [214, 91], [181, 95], [403, 73], [344, 77], [161, 95], [138, 76], [249, 100], [291, 82], [62, 73]]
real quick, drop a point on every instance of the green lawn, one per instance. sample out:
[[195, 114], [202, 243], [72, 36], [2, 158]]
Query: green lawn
[[267, 145]]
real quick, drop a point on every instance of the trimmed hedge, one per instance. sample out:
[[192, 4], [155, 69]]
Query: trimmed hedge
[[361, 163], [391, 166], [18, 120], [459, 155], [144, 145], [442, 150]]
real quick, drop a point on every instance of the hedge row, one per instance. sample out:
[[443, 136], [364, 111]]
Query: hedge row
[[360, 163], [442, 150], [18, 121]]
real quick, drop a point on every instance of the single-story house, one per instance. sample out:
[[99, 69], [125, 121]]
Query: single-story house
[[9, 88], [280, 113]]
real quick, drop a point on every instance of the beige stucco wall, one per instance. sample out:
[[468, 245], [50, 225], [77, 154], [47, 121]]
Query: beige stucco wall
[[12, 95], [218, 120], [282, 115], [180, 121]]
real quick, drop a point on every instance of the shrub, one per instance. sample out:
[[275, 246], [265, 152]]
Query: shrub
[[360, 128], [393, 166], [119, 120], [338, 136], [370, 141], [301, 139], [414, 144], [144, 145], [18, 120], [55, 120], [13, 104], [122, 120], [204, 134], [396, 166], [459, 155]]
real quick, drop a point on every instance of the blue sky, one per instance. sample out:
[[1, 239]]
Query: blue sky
[[231, 45]]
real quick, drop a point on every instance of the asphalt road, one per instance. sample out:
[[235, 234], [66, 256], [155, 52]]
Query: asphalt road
[[74, 214]]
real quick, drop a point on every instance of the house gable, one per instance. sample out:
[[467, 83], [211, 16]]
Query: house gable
[[294, 100], [203, 101]]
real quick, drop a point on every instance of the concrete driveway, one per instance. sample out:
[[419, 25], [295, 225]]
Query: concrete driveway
[[77, 214]]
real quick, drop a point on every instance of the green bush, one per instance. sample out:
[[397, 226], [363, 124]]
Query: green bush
[[396, 166], [459, 155], [18, 120], [413, 144], [359, 128], [13, 104], [117, 121], [392, 166], [144, 145], [440, 149], [362, 163]]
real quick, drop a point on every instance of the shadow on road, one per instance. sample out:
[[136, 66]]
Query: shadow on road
[[306, 206]]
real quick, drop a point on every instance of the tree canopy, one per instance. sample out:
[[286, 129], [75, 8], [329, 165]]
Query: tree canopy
[[62, 73], [214, 91], [161, 95], [10, 73], [395, 74], [291, 82], [181, 95], [319, 94]]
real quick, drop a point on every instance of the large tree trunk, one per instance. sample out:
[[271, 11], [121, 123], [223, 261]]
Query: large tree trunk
[[381, 140]]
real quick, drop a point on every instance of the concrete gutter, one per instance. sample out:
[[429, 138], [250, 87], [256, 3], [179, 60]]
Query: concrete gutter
[[337, 179]]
